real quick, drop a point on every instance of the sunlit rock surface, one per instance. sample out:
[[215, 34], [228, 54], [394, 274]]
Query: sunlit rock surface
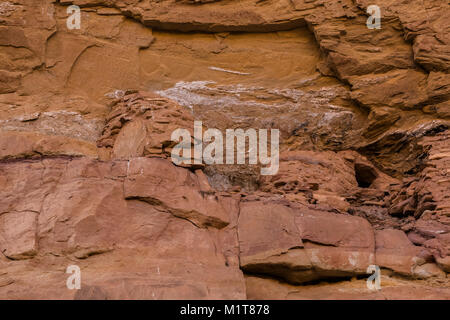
[[86, 177]]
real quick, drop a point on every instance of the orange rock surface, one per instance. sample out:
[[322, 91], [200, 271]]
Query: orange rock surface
[[86, 178]]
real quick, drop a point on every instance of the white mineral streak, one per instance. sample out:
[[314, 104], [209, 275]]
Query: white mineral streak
[[229, 71]]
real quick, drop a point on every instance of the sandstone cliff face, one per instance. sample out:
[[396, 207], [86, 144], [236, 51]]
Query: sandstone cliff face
[[86, 179]]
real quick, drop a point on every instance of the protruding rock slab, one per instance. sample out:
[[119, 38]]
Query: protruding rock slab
[[178, 190], [73, 211], [299, 244], [396, 252]]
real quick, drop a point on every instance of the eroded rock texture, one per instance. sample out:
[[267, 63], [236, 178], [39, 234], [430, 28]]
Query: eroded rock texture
[[86, 179]]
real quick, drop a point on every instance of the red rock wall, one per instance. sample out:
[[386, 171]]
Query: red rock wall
[[86, 179]]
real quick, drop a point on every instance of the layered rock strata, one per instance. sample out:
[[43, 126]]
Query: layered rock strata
[[86, 177]]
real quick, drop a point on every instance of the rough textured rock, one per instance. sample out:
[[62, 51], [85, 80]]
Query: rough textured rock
[[300, 244], [86, 179]]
